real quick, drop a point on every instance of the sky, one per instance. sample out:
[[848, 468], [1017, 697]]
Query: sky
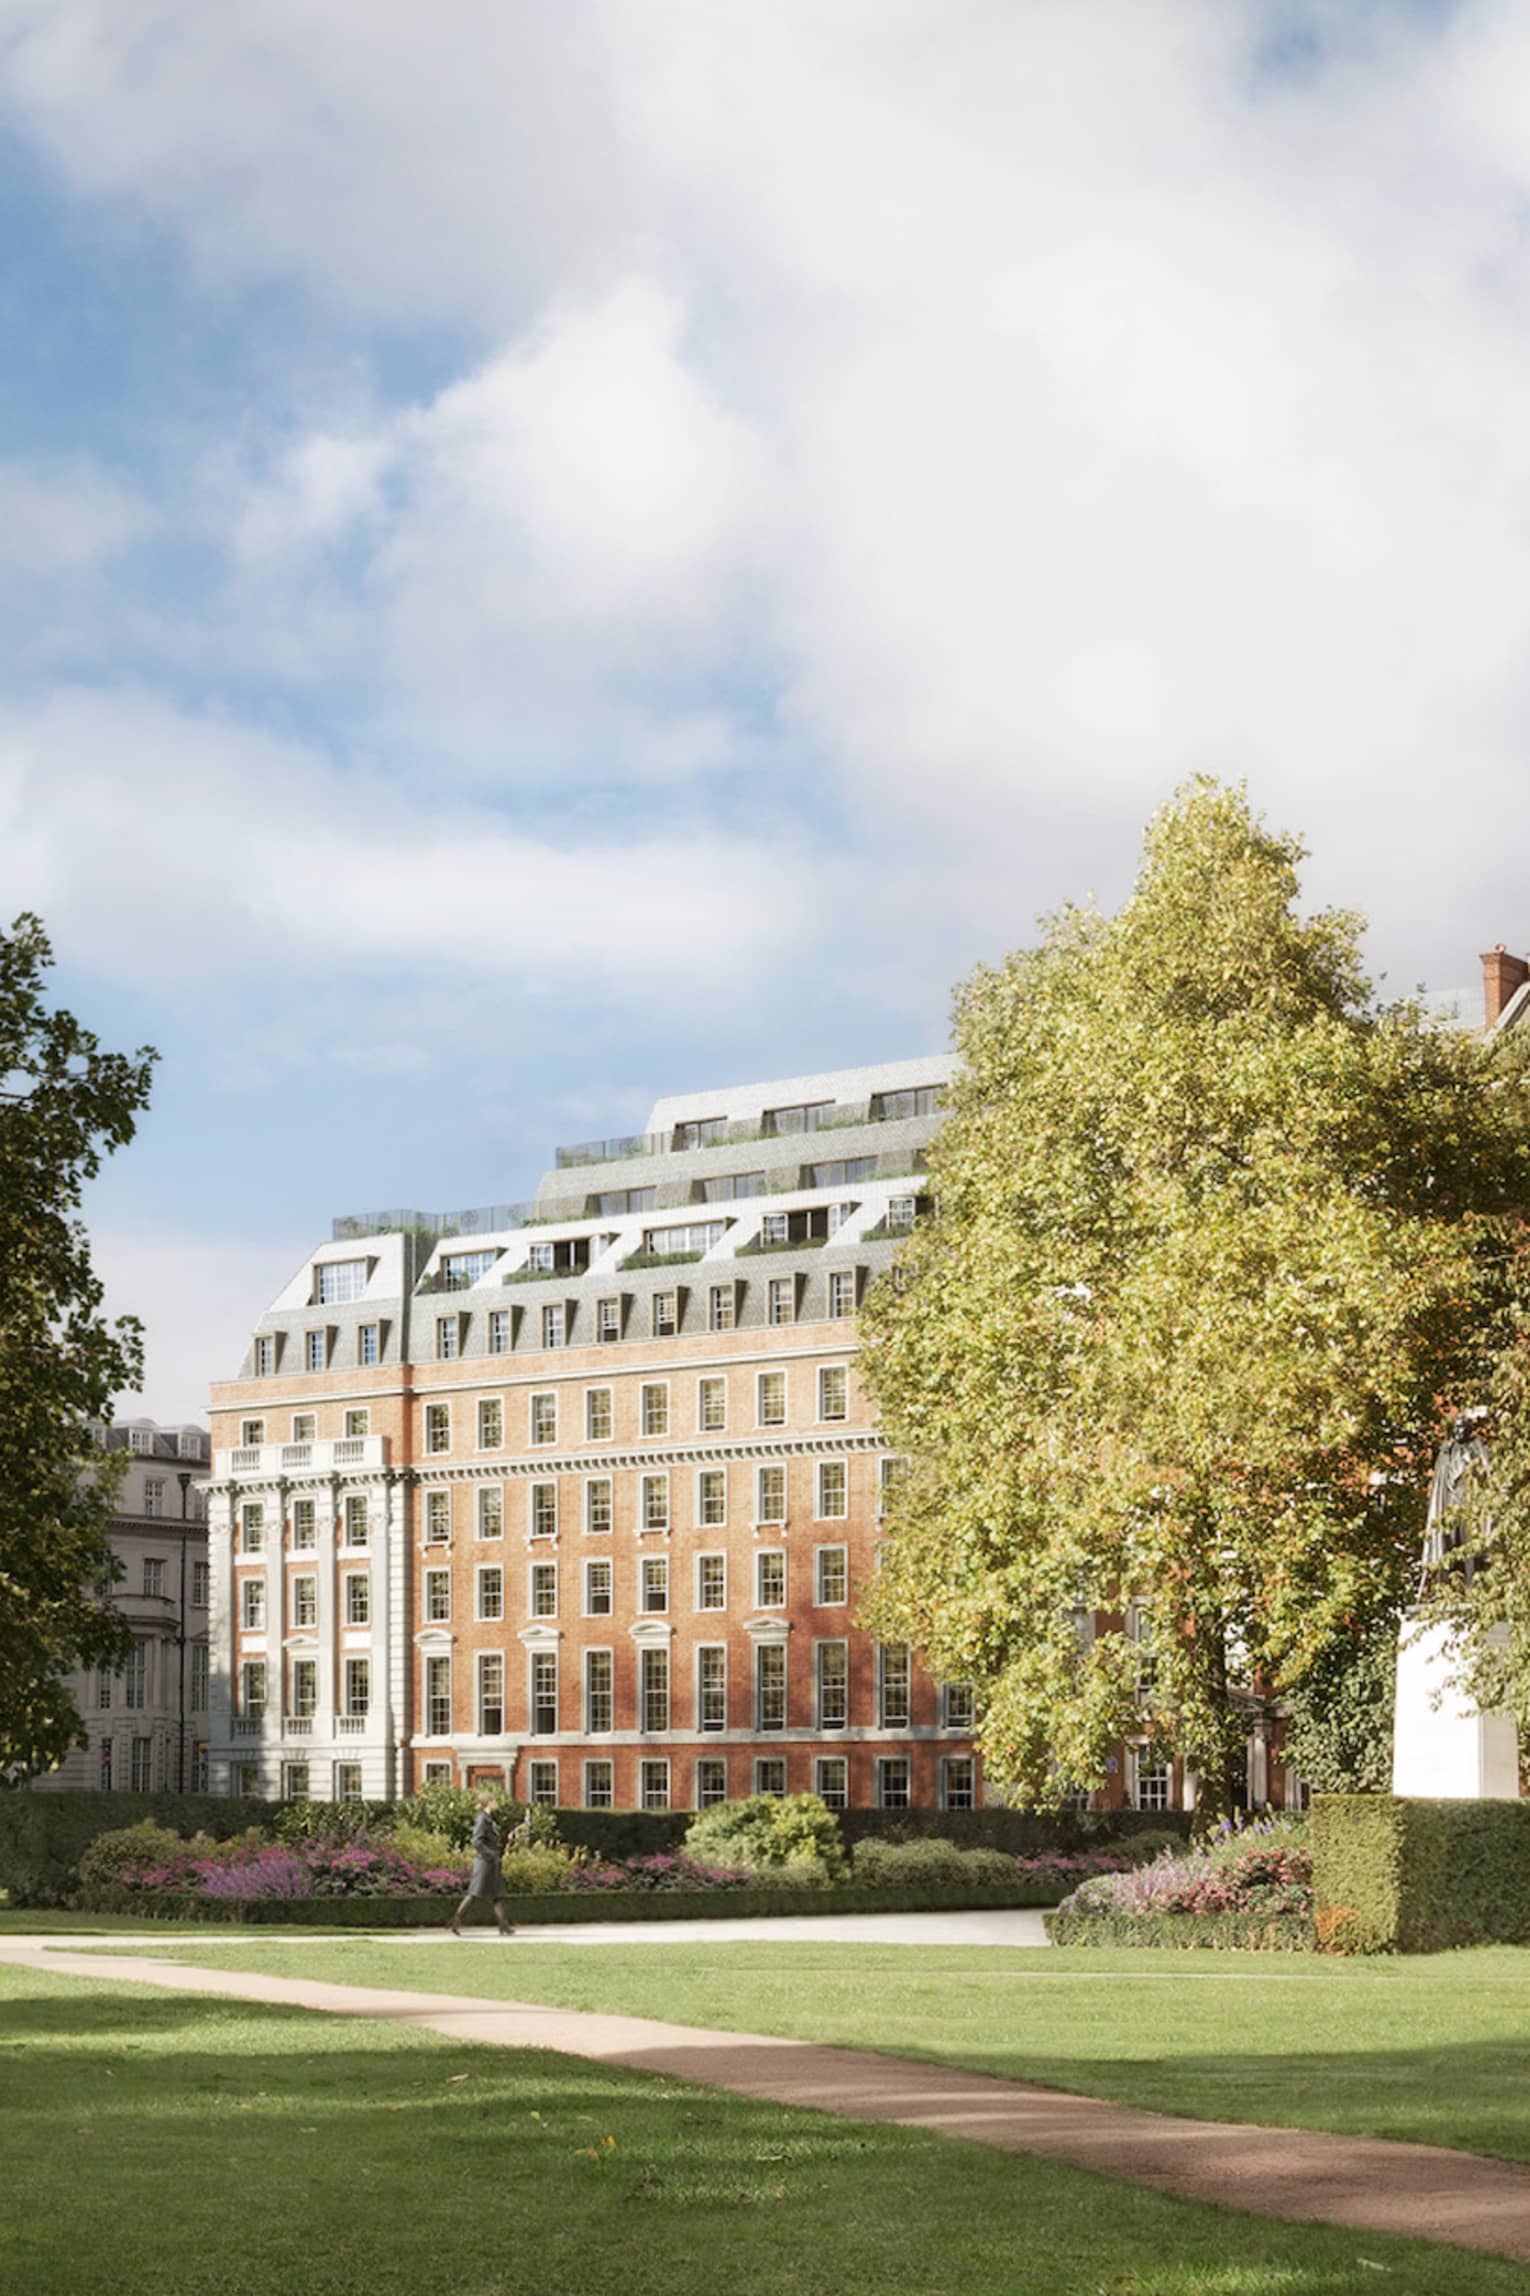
[[550, 556]]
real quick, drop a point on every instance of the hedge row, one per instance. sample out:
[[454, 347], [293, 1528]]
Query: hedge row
[[44, 1835], [1239, 1932], [1404, 1876], [572, 1906]]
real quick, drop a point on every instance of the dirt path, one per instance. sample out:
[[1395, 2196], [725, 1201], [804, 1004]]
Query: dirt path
[[1305, 2175]]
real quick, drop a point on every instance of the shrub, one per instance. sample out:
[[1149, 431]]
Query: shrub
[[1225, 1932], [422, 1847], [908, 1865], [43, 1835], [145, 1856], [1414, 1876], [767, 1831], [1263, 1872], [534, 1868], [665, 1870], [451, 1810], [324, 1821]]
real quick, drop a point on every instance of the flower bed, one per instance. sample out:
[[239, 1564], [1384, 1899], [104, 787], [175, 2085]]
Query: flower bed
[[1250, 1887], [752, 1901]]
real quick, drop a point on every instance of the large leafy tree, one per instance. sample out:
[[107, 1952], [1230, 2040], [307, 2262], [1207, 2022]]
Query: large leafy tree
[[64, 1104], [1218, 1242]]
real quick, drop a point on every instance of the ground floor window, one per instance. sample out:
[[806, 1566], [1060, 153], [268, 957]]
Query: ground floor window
[[770, 1775], [653, 1782], [1151, 1783], [437, 1774], [347, 1781], [831, 1781], [295, 1782], [543, 1784], [599, 1790], [892, 1782], [958, 1782], [199, 1767], [142, 1775], [104, 1776], [711, 1782], [244, 1779]]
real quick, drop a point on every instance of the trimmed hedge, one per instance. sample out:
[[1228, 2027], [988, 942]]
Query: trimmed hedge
[[571, 1906], [1395, 1875], [1237, 1932], [44, 1836], [1021, 1832]]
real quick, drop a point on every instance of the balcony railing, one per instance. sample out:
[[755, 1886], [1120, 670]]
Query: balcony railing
[[249, 1725], [349, 1724], [298, 1726], [276, 1459]]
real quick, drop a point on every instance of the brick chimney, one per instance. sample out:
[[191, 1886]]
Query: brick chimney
[[1501, 976]]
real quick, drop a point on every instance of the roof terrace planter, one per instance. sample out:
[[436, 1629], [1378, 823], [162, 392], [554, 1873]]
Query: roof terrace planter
[[615, 1151], [658, 1260], [758, 1248]]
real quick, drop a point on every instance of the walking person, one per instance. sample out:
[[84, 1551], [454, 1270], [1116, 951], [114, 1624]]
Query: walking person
[[487, 1877]]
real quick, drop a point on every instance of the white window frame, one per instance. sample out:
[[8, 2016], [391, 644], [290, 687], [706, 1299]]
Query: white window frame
[[252, 1603], [609, 1414], [762, 1600], [357, 1425], [666, 1324], [491, 1422], [886, 1764], [769, 1660], [839, 1295], [538, 1414], [711, 1609], [833, 1796], [607, 1564], [437, 1668], [304, 1587], [761, 1380], [825, 1471], [708, 1800], [592, 1484], [654, 1783], [655, 1689], [481, 1612], [706, 1651], [658, 1388], [822, 1687], [438, 1430], [762, 1520], [434, 1577], [594, 1728], [593, 1784], [541, 1517], [833, 1378], [704, 1426], [438, 1515], [484, 1664], [499, 1331], [489, 1511], [654, 1495], [948, 1763], [349, 1582], [652, 1570], [705, 1476], [822, 1599], [539, 1571], [775, 1765]]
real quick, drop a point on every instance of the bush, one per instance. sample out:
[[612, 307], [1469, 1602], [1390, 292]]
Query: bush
[[1413, 1876], [1261, 1872], [326, 1821], [451, 1810], [145, 1856], [535, 1868], [43, 1836], [908, 1865], [766, 1832], [1225, 1932]]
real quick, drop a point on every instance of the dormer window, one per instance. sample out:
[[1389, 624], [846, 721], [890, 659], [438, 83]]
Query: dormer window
[[918, 1100], [460, 1270], [338, 1280], [804, 1116], [700, 1132]]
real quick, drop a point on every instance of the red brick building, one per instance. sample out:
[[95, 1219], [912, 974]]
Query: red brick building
[[582, 1495]]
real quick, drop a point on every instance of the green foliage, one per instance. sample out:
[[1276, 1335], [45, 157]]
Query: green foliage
[[322, 1821], [906, 1865], [1214, 1236], [779, 1893], [421, 1846], [537, 1868], [111, 1855], [767, 1832], [451, 1810], [1412, 1876], [43, 1836], [1339, 1717], [1241, 1932], [1484, 1597], [64, 1105]]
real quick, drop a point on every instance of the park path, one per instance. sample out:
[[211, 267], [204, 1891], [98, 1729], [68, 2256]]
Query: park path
[[1305, 2175]]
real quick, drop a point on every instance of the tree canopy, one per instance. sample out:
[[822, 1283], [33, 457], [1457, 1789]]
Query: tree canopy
[[1218, 1243], [64, 1104]]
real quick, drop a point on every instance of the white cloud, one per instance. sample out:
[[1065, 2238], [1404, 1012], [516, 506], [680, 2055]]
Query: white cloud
[[65, 521], [197, 1298], [308, 870], [1033, 405]]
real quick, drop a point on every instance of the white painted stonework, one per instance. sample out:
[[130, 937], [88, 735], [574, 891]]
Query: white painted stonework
[[1441, 1746]]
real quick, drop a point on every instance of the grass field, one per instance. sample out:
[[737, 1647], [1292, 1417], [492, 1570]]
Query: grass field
[[1431, 2049], [202, 2148]]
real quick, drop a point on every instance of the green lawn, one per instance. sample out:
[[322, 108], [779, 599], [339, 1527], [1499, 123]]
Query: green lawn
[[195, 2147], [1436, 2049]]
